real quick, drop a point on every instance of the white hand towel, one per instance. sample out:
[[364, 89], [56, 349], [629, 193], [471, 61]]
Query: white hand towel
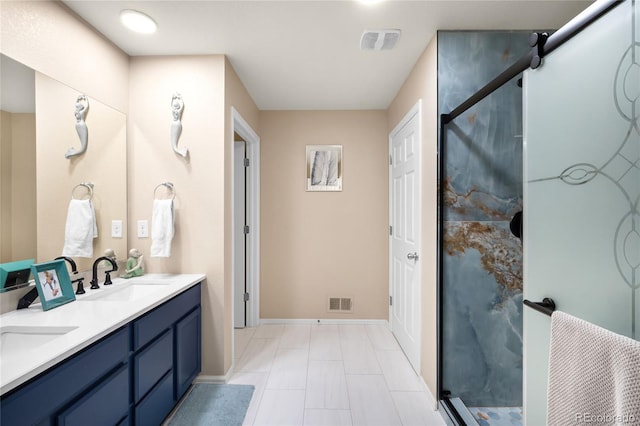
[[80, 229], [161, 228], [594, 374]]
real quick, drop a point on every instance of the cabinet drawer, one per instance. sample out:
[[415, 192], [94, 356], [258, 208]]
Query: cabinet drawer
[[151, 364], [64, 382], [164, 316], [107, 404], [157, 405]]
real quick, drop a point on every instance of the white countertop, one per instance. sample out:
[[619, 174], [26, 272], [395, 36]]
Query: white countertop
[[93, 318]]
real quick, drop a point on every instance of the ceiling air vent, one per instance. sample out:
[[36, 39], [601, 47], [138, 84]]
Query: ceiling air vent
[[379, 39]]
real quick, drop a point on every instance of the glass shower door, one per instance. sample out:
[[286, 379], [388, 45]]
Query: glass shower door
[[582, 188]]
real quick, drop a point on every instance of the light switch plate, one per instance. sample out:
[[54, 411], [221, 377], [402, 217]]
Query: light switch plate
[[143, 229], [116, 229]]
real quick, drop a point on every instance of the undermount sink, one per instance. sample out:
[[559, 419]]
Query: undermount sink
[[153, 279], [18, 337], [124, 293]]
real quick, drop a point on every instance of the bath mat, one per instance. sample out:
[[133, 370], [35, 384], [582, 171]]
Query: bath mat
[[214, 404]]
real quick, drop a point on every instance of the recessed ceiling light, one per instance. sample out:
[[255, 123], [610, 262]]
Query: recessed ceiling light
[[370, 1], [138, 21]]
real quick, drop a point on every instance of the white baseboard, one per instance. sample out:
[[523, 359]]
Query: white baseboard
[[432, 400], [323, 321], [213, 379]]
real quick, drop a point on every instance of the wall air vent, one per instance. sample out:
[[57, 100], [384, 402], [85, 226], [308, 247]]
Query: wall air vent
[[340, 304], [379, 39]]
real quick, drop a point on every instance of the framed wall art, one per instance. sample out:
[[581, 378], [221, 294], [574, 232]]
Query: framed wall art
[[324, 167]]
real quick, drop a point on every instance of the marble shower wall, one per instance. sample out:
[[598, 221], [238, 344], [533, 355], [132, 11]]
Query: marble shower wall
[[482, 272]]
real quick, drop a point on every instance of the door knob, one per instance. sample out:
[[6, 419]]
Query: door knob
[[412, 256]]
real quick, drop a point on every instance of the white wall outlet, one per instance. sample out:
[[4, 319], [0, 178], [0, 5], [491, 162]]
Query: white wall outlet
[[143, 229], [116, 229]]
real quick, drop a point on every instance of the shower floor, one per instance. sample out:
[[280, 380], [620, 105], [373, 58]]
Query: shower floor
[[497, 416]]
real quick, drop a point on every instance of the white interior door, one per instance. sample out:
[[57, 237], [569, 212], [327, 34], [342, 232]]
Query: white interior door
[[239, 236], [404, 265]]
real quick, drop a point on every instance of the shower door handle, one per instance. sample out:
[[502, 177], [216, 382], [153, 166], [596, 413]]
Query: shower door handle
[[412, 256]]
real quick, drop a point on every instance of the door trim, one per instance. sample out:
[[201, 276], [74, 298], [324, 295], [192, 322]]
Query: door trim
[[416, 110], [241, 127]]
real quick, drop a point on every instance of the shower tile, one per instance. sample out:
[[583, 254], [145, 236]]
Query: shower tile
[[497, 416]]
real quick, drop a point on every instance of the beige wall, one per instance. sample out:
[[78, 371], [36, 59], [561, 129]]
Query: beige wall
[[5, 185], [319, 245], [422, 84], [235, 96], [45, 36], [17, 183], [202, 181]]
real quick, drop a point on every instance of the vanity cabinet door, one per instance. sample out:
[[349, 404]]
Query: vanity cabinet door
[[188, 358], [106, 404]]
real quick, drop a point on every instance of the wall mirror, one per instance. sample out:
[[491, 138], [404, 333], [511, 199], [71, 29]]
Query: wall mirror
[[37, 181]]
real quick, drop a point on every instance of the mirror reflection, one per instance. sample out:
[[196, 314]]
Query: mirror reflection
[[37, 180], [17, 162]]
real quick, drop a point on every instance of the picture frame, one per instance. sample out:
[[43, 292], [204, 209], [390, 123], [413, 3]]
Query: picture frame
[[53, 284], [324, 168]]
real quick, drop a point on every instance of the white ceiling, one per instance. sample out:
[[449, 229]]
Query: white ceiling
[[299, 54]]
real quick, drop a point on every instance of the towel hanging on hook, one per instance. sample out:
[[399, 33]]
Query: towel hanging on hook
[[162, 220], [81, 227]]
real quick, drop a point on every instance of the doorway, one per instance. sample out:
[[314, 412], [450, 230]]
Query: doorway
[[405, 233], [240, 231], [246, 223]]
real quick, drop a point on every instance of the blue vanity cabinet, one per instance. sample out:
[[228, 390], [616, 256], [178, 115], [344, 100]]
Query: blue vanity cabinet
[[134, 376], [91, 371], [167, 356]]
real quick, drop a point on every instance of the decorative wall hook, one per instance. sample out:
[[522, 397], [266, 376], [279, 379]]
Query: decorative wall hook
[[177, 106], [82, 106]]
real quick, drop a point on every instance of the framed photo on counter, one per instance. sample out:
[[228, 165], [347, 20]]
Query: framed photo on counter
[[53, 284]]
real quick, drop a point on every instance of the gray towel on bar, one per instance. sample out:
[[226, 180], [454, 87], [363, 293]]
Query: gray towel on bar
[[594, 374]]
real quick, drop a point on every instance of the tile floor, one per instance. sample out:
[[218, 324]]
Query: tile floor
[[329, 375]]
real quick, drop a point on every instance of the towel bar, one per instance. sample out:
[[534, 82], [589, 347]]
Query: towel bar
[[87, 185], [547, 306]]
